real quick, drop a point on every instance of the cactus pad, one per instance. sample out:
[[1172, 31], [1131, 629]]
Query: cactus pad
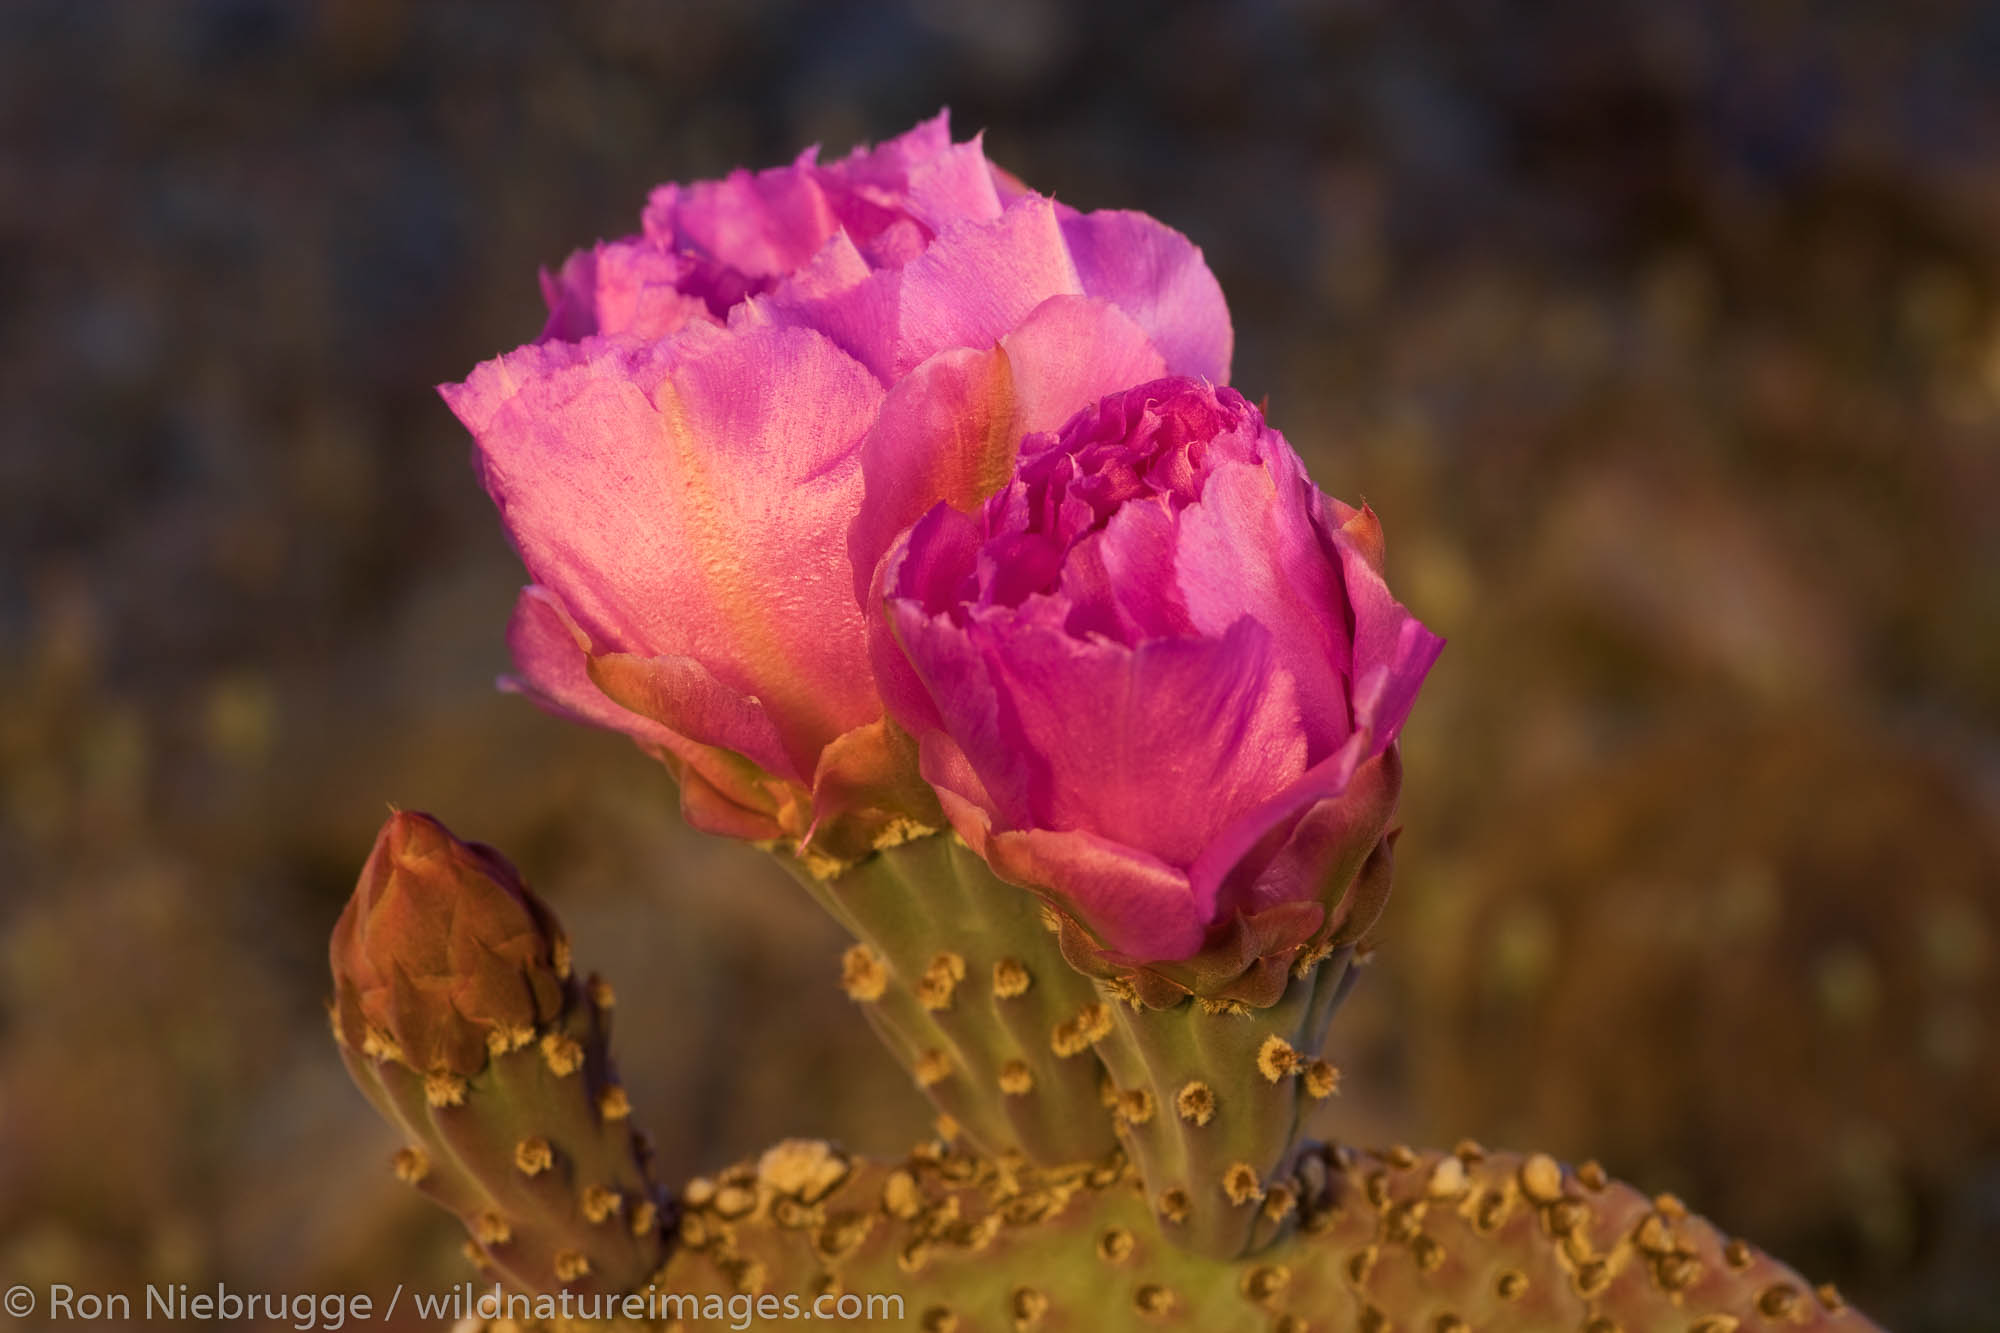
[[969, 991], [1424, 1242], [1209, 1098]]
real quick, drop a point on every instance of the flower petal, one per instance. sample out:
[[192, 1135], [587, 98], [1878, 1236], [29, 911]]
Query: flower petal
[[867, 782], [1393, 651], [975, 281], [553, 656], [707, 807], [1157, 276], [683, 696], [951, 428], [1136, 905], [959, 791], [945, 433], [689, 500], [1146, 746], [1249, 547], [918, 177], [958, 683], [1070, 352], [1122, 582], [1323, 846], [889, 163], [624, 287], [762, 225]]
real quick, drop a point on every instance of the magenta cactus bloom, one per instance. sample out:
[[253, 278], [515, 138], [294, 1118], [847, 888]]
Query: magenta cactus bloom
[[730, 416], [1158, 677]]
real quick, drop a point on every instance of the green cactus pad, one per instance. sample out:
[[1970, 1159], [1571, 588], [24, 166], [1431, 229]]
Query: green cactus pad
[[1420, 1242], [535, 1152], [965, 984], [1209, 1098]]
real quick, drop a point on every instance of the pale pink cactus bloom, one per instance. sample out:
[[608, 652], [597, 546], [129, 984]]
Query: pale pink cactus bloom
[[730, 416]]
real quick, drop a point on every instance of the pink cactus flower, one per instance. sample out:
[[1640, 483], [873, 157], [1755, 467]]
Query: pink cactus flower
[[1158, 677], [731, 415]]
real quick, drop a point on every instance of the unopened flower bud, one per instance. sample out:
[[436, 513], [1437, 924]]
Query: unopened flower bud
[[441, 947]]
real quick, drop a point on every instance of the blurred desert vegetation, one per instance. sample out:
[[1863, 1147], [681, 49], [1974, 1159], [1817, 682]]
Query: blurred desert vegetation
[[1664, 337]]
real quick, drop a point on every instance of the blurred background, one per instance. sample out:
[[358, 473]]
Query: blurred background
[[1665, 338]]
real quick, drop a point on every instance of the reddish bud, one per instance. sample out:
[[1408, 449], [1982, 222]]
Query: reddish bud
[[441, 947]]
